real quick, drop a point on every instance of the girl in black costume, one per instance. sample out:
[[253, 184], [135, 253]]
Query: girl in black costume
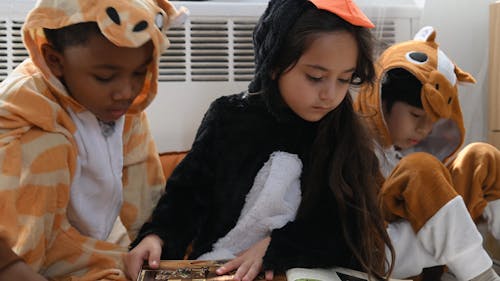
[[307, 56]]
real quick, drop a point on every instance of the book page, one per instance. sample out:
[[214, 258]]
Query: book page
[[311, 274], [327, 274]]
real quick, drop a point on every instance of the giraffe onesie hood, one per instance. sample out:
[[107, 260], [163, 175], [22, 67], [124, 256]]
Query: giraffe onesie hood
[[39, 152], [436, 190]]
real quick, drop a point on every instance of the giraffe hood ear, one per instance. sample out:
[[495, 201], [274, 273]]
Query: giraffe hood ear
[[125, 23], [175, 16]]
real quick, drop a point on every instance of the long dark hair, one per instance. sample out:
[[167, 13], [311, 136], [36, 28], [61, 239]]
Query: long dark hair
[[343, 160], [342, 157]]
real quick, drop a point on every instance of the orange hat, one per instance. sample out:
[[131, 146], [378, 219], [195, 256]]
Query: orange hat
[[345, 9]]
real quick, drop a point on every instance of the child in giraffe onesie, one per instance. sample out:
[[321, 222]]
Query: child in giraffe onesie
[[434, 190], [76, 153]]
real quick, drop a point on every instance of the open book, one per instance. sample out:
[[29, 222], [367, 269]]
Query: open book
[[190, 270], [198, 270], [332, 274]]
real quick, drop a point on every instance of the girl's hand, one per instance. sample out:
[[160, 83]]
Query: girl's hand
[[148, 249], [248, 263]]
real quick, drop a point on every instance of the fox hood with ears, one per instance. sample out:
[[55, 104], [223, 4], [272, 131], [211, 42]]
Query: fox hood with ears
[[439, 77]]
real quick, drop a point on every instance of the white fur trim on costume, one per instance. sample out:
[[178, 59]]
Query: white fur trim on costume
[[492, 215], [270, 204]]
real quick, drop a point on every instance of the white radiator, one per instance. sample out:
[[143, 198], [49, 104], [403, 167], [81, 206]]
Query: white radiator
[[211, 55]]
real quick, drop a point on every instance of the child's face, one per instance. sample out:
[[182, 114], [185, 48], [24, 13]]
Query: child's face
[[321, 78], [102, 77], [407, 124]]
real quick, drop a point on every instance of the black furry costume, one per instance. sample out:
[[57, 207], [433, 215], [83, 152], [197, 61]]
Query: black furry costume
[[206, 192]]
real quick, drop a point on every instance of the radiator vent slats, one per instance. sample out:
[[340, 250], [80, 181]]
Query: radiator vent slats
[[4, 50], [204, 49]]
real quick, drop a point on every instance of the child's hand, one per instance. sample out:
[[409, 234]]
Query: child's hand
[[248, 263], [148, 249], [20, 271]]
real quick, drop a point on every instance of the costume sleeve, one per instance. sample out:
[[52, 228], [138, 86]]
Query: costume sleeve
[[38, 160], [36, 169], [143, 180], [35, 176], [184, 206]]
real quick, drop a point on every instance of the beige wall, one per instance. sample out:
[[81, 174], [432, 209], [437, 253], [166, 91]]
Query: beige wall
[[494, 75]]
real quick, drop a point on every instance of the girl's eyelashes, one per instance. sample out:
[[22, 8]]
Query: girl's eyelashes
[[314, 78], [345, 80]]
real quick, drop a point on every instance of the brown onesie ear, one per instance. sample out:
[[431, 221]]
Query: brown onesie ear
[[463, 76], [426, 34], [438, 95], [433, 102]]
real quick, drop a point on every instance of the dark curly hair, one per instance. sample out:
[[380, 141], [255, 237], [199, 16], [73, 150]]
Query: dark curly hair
[[71, 35]]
